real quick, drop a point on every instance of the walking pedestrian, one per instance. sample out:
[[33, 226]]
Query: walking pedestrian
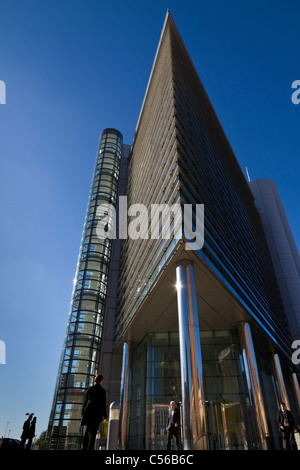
[[287, 425], [93, 411], [31, 433], [26, 431], [173, 425]]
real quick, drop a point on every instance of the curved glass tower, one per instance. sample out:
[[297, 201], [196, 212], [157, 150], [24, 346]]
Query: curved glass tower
[[80, 360]]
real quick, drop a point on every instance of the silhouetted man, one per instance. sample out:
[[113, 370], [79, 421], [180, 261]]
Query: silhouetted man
[[26, 431], [173, 425], [93, 411]]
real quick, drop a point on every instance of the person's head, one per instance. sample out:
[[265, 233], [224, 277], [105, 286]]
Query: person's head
[[99, 378], [172, 405], [283, 407]]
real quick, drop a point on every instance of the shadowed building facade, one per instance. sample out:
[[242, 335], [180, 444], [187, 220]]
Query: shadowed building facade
[[201, 324]]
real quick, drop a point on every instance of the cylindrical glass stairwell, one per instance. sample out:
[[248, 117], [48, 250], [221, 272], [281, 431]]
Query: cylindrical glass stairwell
[[82, 345]]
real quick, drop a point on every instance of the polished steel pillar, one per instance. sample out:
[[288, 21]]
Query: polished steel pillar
[[297, 389], [124, 396], [279, 375], [193, 404], [257, 398], [113, 427]]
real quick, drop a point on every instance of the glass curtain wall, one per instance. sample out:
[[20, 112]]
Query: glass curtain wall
[[155, 381], [82, 345]]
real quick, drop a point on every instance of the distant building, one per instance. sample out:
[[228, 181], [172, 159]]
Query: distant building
[[208, 328], [282, 247]]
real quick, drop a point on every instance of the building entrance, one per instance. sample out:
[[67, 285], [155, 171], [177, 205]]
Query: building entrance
[[159, 417], [226, 426]]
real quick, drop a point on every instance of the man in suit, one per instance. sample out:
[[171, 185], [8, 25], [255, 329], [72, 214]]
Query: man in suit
[[286, 426], [26, 431], [93, 411], [173, 425], [31, 433]]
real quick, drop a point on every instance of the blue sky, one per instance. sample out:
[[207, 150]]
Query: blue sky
[[73, 68]]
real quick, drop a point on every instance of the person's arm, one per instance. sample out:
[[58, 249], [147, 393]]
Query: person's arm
[[177, 418], [85, 402], [292, 420], [168, 421], [280, 420], [104, 406]]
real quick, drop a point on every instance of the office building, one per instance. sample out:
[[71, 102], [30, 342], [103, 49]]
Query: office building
[[282, 248], [198, 315]]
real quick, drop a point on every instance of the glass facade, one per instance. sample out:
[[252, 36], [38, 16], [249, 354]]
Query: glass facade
[[235, 245], [180, 154], [155, 381], [152, 179], [226, 394], [82, 346]]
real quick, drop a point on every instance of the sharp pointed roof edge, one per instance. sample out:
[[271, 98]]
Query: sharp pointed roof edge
[[171, 23], [168, 19], [168, 22]]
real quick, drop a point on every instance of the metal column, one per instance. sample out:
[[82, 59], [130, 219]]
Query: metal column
[[249, 356], [279, 374], [124, 396], [193, 404], [297, 389], [113, 427]]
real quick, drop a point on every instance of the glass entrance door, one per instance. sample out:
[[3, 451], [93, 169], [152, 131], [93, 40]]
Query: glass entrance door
[[226, 427], [233, 426], [159, 417]]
